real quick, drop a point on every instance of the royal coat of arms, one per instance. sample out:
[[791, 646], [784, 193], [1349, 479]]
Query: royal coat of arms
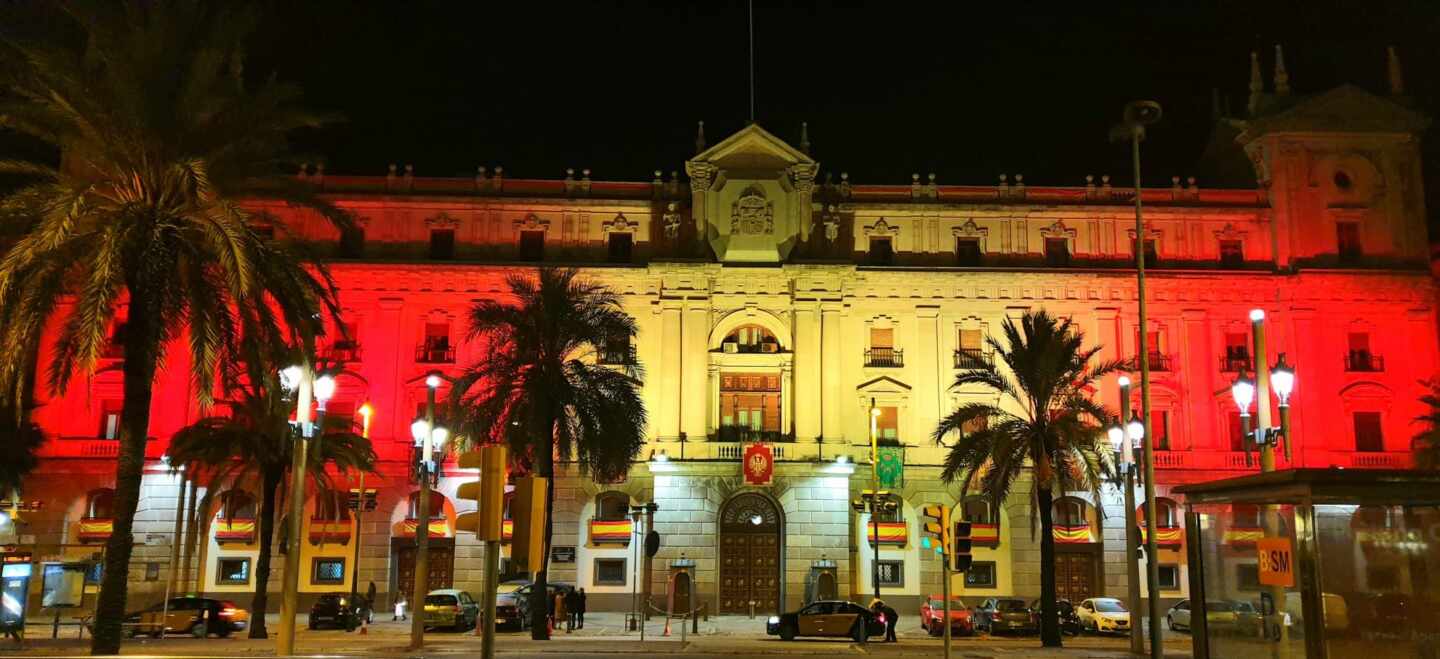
[[759, 464], [752, 213]]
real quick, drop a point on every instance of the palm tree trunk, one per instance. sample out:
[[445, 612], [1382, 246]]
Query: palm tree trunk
[[540, 592], [1049, 621], [139, 374], [269, 484]]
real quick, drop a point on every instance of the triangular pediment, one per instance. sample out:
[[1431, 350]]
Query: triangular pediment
[[753, 147], [883, 384], [1344, 109]]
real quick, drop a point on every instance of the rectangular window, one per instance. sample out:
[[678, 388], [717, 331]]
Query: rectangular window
[[1160, 429], [1057, 251], [882, 251], [882, 337], [610, 572], [1368, 435], [621, 247], [1247, 576], [110, 419], [1169, 577], [967, 251], [1232, 253], [442, 244], [327, 570], [152, 571], [887, 425], [1237, 431], [233, 571], [352, 243], [1347, 239], [1237, 352], [532, 245], [892, 573], [980, 575], [1151, 255]]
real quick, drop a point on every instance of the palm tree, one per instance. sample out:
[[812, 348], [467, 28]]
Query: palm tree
[[252, 448], [160, 138], [1044, 425], [20, 440], [1426, 443], [540, 389]]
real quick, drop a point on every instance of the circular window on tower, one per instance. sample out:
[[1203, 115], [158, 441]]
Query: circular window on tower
[[1343, 182]]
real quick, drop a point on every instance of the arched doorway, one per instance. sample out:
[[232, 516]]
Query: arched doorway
[[750, 554]]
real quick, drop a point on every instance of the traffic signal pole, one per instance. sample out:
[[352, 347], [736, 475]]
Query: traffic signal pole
[[945, 575]]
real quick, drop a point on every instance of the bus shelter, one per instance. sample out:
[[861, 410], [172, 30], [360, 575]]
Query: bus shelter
[[1314, 563]]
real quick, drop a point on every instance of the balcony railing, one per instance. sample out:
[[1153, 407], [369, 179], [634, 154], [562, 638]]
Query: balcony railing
[[972, 358], [1234, 364], [885, 357], [434, 354], [745, 434], [765, 347], [1158, 362], [343, 352], [617, 356], [721, 450], [1357, 361]]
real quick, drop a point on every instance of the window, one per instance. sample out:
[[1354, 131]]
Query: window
[[1151, 256], [610, 572], [1359, 358], [100, 504], [882, 348], [237, 504], [1160, 429], [882, 337], [891, 510], [1237, 430], [1232, 253], [882, 251], [621, 245], [1247, 576], [750, 338], [1159, 361], [971, 353], [1347, 239], [973, 426], [152, 571], [264, 232], [892, 573], [1057, 251], [233, 571], [967, 251], [1070, 512], [1237, 353], [977, 510], [333, 506], [435, 349], [110, 419], [1368, 435], [612, 506], [616, 350], [887, 425], [327, 570], [442, 244], [352, 243], [115, 349], [1167, 514], [980, 575], [437, 505], [1169, 577], [532, 245]]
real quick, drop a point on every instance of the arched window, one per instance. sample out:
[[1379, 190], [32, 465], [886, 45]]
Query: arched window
[[437, 505], [237, 504], [1069, 511], [1373, 518], [751, 338], [333, 506], [1245, 516], [1167, 514], [100, 504], [612, 506], [976, 510], [892, 510]]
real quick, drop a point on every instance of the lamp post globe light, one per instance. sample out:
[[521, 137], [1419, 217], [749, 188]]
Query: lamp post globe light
[[300, 380], [425, 434], [366, 412], [1123, 439]]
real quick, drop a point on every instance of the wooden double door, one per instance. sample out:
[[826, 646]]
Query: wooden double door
[[1075, 576], [442, 565], [750, 555]]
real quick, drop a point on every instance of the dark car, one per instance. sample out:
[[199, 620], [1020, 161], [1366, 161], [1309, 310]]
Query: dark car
[[1005, 614], [512, 602], [1065, 611], [834, 618], [197, 616], [340, 611]]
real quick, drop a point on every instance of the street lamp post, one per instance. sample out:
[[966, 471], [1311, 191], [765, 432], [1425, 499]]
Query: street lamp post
[[1124, 436], [365, 413], [426, 435], [875, 495], [298, 379]]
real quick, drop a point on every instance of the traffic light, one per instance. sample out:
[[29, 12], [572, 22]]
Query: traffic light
[[488, 492], [960, 558], [932, 532], [527, 509]]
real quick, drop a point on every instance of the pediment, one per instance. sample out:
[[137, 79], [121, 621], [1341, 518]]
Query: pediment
[[753, 148], [1345, 109], [883, 385]]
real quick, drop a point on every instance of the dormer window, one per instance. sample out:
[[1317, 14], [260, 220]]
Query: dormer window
[[750, 338], [967, 252], [1347, 239], [882, 251], [532, 246], [1151, 255], [1057, 251], [442, 244], [1232, 253], [621, 247]]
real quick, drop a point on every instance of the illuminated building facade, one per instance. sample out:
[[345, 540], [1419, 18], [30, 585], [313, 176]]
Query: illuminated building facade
[[776, 301]]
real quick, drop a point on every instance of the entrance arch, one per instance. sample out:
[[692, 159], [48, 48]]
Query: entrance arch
[[750, 525]]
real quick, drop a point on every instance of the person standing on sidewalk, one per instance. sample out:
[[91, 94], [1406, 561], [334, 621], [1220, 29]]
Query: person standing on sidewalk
[[572, 606], [561, 616], [580, 609]]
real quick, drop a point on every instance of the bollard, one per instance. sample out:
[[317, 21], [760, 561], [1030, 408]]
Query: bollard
[[752, 609], [667, 626], [694, 623]]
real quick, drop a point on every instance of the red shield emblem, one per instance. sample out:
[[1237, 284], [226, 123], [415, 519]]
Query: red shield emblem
[[759, 464]]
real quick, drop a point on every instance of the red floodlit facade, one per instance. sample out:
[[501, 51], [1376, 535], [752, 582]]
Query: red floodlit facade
[[775, 301]]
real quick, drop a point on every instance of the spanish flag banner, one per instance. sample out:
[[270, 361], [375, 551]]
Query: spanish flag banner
[[985, 534], [1072, 534], [235, 530], [891, 533], [610, 532], [439, 528], [1243, 536], [324, 531], [1164, 537], [96, 529]]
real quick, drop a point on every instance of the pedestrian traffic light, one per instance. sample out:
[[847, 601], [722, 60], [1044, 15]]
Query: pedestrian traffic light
[[936, 518], [960, 558], [527, 510], [488, 492]]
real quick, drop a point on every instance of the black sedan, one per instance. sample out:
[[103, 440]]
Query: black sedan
[[835, 618], [1065, 611], [1005, 614], [340, 611]]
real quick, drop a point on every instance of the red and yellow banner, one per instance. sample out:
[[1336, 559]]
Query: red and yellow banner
[[1164, 537], [1243, 535], [507, 529], [985, 534], [1073, 534], [758, 464], [610, 532], [96, 529], [324, 531], [891, 533], [439, 528], [234, 530]]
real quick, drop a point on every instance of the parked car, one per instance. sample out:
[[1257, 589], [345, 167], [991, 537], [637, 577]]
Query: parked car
[[197, 616], [932, 612], [1334, 609], [1065, 611], [835, 618], [340, 611], [1104, 615], [451, 608], [1005, 614], [1221, 616], [512, 602]]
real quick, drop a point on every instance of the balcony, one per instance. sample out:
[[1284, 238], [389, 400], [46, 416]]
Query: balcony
[[1229, 364], [885, 357], [764, 347], [723, 450], [616, 356], [972, 358], [429, 353], [342, 352], [1158, 362], [1361, 361], [750, 435]]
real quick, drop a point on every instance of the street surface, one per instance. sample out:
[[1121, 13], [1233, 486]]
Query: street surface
[[604, 636]]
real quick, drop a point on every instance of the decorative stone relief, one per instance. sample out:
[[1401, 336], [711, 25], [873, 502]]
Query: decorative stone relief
[[441, 220], [1058, 230], [970, 230], [671, 221], [882, 228], [752, 213], [620, 224], [532, 222]]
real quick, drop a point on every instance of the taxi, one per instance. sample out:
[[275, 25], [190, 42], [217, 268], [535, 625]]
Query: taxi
[[833, 618]]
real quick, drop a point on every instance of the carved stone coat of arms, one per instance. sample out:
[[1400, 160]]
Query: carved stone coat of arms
[[752, 213]]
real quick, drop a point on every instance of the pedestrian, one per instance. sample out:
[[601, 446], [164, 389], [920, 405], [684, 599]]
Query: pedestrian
[[580, 614], [572, 605], [399, 607], [370, 596], [560, 616], [892, 618]]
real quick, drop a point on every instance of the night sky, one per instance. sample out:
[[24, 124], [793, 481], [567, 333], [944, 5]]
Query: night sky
[[969, 91]]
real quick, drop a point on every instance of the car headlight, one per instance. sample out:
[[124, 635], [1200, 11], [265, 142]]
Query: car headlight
[[774, 620]]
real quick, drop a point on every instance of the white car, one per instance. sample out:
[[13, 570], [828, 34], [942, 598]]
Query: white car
[[1104, 615]]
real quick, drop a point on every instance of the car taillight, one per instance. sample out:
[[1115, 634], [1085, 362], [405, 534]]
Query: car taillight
[[882, 618], [995, 616], [228, 612]]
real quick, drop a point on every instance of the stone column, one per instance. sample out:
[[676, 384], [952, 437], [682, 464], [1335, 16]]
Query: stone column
[[1195, 347], [803, 176], [831, 404], [807, 352], [389, 338], [926, 409], [714, 397], [701, 175], [787, 396], [694, 365], [668, 414]]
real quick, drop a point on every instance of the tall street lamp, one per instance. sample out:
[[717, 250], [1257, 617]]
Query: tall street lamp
[[428, 438], [300, 380], [366, 411], [1124, 436], [1138, 115]]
